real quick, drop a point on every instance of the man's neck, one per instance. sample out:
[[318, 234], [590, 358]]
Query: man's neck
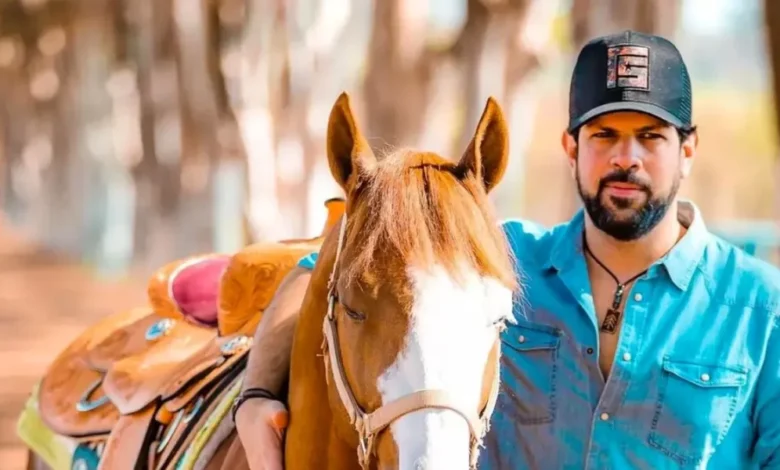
[[626, 259]]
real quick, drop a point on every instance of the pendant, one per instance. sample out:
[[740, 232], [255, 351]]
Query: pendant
[[611, 320]]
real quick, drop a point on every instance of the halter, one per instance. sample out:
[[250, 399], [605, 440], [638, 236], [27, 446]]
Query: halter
[[369, 425]]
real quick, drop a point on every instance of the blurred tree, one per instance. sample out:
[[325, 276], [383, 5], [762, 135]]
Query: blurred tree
[[262, 93], [35, 120], [502, 46], [398, 68], [772, 22], [156, 174], [591, 18]]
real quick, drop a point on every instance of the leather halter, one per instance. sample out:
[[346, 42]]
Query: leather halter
[[369, 425]]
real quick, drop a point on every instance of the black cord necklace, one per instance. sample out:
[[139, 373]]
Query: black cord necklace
[[612, 318]]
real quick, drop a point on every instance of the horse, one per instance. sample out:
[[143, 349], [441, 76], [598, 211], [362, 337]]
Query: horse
[[396, 351]]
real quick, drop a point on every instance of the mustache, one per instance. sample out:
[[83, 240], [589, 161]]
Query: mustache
[[624, 176]]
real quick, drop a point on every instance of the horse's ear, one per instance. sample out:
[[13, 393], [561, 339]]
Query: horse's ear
[[487, 155], [349, 154]]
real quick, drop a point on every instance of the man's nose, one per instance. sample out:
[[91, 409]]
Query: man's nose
[[627, 154]]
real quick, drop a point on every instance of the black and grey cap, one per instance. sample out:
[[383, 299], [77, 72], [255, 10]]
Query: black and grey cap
[[630, 71]]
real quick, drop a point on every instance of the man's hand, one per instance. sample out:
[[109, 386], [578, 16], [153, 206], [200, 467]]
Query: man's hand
[[261, 424]]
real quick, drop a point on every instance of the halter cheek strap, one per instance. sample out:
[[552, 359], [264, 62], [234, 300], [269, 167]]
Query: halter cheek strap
[[369, 425]]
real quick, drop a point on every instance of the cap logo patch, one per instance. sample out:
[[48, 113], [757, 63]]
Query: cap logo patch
[[627, 67]]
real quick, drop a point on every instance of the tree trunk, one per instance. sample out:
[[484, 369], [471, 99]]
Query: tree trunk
[[772, 19], [95, 164], [147, 186], [398, 72], [199, 119], [260, 87], [526, 27]]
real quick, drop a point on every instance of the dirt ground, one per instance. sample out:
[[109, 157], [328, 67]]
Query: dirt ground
[[45, 301]]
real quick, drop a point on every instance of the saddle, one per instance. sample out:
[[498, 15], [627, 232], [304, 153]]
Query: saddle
[[131, 389]]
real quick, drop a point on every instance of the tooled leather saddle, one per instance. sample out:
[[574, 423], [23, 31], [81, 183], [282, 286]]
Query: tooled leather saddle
[[132, 390]]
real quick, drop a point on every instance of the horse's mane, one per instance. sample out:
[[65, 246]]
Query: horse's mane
[[418, 205]]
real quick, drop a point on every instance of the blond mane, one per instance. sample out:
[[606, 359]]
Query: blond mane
[[422, 208]]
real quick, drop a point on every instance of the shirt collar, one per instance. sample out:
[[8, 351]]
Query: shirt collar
[[684, 257], [680, 263]]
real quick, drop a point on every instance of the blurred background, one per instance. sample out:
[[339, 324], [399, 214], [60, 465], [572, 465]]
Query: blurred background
[[135, 132]]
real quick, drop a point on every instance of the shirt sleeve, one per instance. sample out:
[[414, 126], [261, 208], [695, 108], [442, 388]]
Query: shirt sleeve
[[308, 261], [767, 420]]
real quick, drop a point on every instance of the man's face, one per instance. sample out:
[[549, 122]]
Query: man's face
[[628, 167]]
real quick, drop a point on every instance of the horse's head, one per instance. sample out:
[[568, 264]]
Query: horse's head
[[422, 282]]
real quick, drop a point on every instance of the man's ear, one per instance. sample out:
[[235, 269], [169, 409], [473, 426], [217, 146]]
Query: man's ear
[[569, 144], [688, 150]]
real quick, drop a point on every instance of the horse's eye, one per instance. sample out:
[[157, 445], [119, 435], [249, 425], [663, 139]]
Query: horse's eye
[[353, 314]]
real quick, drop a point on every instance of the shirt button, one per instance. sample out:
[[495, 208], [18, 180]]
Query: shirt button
[[638, 297], [604, 416], [589, 350], [521, 339], [626, 357], [705, 377]]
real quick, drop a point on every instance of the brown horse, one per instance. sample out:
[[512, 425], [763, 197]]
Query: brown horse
[[404, 305]]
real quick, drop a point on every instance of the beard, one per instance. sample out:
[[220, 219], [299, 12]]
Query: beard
[[624, 223]]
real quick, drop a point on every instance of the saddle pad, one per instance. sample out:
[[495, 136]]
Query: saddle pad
[[54, 449], [188, 421], [134, 382], [212, 434], [70, 375]]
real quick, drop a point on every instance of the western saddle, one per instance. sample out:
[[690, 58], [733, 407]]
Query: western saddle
[[132, 390]]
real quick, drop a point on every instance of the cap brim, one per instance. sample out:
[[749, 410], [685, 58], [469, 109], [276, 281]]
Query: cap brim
[[646, 108]]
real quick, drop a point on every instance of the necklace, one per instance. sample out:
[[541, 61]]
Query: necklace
[[612, 318]]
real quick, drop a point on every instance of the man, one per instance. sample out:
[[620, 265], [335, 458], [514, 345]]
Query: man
[[645, 342]]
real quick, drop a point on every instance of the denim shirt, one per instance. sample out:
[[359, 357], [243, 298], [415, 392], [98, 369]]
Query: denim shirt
[[695, 381]]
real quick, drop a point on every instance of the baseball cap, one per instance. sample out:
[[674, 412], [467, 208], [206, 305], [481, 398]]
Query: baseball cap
[[630, 71]]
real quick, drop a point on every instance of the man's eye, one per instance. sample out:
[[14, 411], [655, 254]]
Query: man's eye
[[603, 135], [650, 136]]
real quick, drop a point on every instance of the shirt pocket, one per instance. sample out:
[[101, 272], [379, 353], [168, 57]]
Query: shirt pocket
[[695, 408], [528, 373]]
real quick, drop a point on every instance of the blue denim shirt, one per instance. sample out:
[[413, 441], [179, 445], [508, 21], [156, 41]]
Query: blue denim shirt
[[696, 376]]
